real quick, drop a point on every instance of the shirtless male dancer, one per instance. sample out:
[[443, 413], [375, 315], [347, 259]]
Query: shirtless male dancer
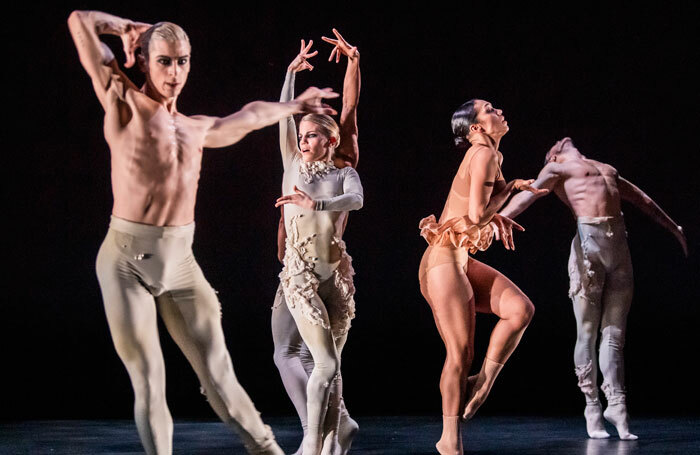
[[600, 271], [145, 264], [292, 356]]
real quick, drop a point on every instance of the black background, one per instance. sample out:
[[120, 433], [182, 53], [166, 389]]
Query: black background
[[620, 80]]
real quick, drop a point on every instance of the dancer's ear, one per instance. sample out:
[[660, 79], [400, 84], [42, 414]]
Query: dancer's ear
[[143, 64], [476, 128]]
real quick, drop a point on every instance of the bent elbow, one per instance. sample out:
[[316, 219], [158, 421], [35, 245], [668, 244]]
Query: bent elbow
[[475, 217], [359, 202], [75, 20]]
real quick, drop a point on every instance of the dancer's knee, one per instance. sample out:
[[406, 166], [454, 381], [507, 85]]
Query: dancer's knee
[[613, 336], [459, 360], [148, 385], [283, 354], [327, 369], [523, 312], [586, 332]]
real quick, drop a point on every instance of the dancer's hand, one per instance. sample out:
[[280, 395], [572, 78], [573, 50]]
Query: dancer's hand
[[300, 198], [503, 230], [310, 101], [526, 185], [130, 35], [300, 62], [680, 236], [341, 47]]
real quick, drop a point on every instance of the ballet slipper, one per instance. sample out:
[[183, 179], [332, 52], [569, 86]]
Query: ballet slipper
[[594, 421], [451, 441], [593, 412], [265, 445], [311, 445], [616, 412], [479, 386], [617, 415]]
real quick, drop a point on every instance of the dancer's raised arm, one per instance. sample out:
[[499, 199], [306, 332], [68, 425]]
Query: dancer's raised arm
[[631, 193], [348, 151], [95, 56], [288, 130]]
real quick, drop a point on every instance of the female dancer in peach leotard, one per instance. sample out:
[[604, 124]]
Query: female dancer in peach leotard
[[455, 286]]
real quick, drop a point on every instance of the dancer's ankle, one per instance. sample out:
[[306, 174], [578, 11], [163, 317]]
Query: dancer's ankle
[[451, 441]]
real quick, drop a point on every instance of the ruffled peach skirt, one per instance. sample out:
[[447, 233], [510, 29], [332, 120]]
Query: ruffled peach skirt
[[450, 241]]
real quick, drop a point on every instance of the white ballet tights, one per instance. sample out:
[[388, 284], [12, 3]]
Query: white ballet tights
[[600, 270], [313, 381]]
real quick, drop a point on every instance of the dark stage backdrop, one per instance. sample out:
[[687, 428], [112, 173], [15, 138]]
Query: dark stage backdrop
[[621, 82]]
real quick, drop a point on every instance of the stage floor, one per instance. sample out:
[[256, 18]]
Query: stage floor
[[519, 435]]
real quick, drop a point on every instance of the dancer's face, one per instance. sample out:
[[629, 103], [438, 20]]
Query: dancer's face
[[314, 144], [490, 120], [168, 66]]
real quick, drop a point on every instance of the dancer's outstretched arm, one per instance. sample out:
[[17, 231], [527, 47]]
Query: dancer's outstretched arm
[[226, 131], [631, 193], [348, 151], [548, 178]]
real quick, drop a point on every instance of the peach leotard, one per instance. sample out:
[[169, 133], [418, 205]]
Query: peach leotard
[[452, 237]]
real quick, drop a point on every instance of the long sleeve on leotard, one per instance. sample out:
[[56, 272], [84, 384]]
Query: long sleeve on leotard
[[288, 129], [352, 197]]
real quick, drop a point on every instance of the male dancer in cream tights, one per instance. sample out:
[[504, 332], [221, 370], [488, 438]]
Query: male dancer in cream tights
[[145, 265], [292, 356], [600, 271]]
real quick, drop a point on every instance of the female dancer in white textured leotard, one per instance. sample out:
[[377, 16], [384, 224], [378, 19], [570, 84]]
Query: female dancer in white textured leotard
[[291, 356], [317, 275]]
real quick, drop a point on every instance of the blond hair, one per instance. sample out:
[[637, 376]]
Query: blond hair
[[327, 125], [166, 31]]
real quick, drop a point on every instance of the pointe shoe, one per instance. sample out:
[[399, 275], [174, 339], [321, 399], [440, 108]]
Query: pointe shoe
[[594, 421], [617, 415], [451, 441]]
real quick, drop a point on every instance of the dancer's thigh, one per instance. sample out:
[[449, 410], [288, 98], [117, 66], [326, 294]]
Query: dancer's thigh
[[493, 292], [450, 296], [192, 315], [284, 329], [318, 339], [131, 312]]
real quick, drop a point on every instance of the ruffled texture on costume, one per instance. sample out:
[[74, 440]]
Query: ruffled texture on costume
[[456, 232], [341, 310], [340, 304]]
